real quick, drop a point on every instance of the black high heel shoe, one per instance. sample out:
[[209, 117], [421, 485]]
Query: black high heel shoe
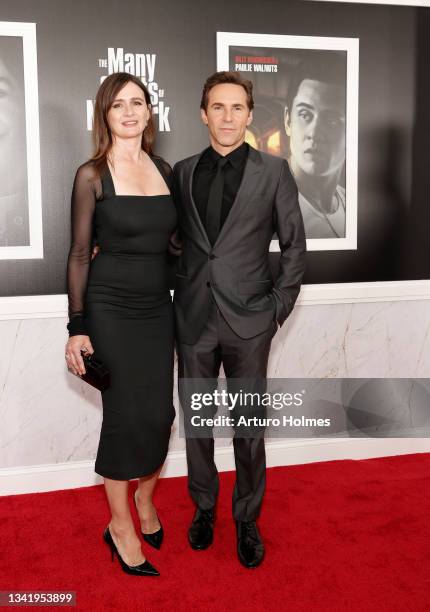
[[153, 539], [144, 569]]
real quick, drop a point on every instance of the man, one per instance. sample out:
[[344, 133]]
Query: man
[[231, 198], [315, 124]]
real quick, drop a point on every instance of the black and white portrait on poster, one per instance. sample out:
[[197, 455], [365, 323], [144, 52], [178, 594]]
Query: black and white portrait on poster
[[20, 192], [306, 110]]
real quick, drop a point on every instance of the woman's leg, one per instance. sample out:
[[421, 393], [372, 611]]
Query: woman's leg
[[121, 525], [145, 508]]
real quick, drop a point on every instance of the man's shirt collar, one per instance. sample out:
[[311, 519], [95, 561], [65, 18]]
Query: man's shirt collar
[[236, 157]]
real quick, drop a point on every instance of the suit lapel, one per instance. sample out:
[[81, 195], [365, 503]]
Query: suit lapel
[[194, 213], [251, 176], [248, 186]]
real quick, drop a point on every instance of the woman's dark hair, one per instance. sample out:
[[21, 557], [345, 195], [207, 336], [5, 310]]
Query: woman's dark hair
[[219, 78], [105, 97]]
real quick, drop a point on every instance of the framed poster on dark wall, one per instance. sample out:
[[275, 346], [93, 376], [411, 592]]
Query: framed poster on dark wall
[[21, 234], [306, 110], [355, 152]]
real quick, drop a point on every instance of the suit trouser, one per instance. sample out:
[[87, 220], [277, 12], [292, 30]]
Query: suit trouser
[[241, 358]]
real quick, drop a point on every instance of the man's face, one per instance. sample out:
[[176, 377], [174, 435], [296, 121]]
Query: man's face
[[316, 127], [227, 116]]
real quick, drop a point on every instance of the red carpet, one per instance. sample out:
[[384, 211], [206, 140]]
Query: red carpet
[[340, 536]]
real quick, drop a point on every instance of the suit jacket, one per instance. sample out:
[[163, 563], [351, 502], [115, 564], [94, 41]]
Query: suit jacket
[[236, 268]]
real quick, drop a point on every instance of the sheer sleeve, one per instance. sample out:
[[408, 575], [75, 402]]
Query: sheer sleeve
[[78, 263]]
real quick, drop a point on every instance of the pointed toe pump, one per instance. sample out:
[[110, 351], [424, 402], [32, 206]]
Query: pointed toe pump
[[144, 569], [153, 539]]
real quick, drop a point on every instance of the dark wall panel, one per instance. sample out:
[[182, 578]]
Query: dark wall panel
[[73, 36]]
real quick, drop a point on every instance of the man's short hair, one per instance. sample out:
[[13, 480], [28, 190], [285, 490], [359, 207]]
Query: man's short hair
[[330, 68], [219, 78]]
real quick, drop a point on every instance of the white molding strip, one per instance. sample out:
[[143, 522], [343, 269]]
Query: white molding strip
[[51, 306], [54, 477], [425, 3], [33, 307], [349, 293]]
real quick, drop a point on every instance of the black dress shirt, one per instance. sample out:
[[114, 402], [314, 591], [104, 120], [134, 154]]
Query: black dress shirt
[[205, 172]]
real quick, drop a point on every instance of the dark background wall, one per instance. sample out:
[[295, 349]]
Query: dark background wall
[[394, 91]]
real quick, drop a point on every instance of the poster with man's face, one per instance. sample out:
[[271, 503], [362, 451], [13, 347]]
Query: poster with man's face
[[20, 206], [304, 111]]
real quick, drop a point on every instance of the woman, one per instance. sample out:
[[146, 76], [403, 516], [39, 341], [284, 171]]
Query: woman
[[120, 306]]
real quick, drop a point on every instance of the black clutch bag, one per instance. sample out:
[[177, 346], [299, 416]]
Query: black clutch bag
[[96, 373]]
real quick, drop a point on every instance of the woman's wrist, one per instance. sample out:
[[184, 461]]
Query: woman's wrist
[[77, 327]]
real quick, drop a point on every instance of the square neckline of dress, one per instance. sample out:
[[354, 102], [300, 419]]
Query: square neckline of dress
[[125, 195]]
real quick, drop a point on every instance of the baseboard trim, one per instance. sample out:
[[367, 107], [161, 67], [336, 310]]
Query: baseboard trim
[[54, 477]]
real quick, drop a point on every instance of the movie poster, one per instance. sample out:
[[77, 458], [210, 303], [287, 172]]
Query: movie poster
[[20, 194], [306, 99]]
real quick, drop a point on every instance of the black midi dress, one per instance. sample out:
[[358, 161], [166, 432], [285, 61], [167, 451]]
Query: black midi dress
[[121, 300]]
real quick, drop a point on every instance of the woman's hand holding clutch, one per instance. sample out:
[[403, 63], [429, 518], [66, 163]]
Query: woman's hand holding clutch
[[74, 346]]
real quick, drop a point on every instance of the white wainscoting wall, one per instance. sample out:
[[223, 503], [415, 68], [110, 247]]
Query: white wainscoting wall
[[50, 420]]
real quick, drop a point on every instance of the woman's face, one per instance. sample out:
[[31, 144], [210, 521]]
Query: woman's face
[[129, 113]]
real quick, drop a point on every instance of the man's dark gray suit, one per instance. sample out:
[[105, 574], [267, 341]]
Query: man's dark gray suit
[[227, 305]]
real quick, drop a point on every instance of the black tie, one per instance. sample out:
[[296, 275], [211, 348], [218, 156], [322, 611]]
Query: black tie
[[213, 210]]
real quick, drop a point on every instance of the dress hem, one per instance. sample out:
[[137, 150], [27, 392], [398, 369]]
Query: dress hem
[[116, 476]]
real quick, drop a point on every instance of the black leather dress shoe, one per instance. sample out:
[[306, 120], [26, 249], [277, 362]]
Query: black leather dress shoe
[[201, 531], [250, 547]]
